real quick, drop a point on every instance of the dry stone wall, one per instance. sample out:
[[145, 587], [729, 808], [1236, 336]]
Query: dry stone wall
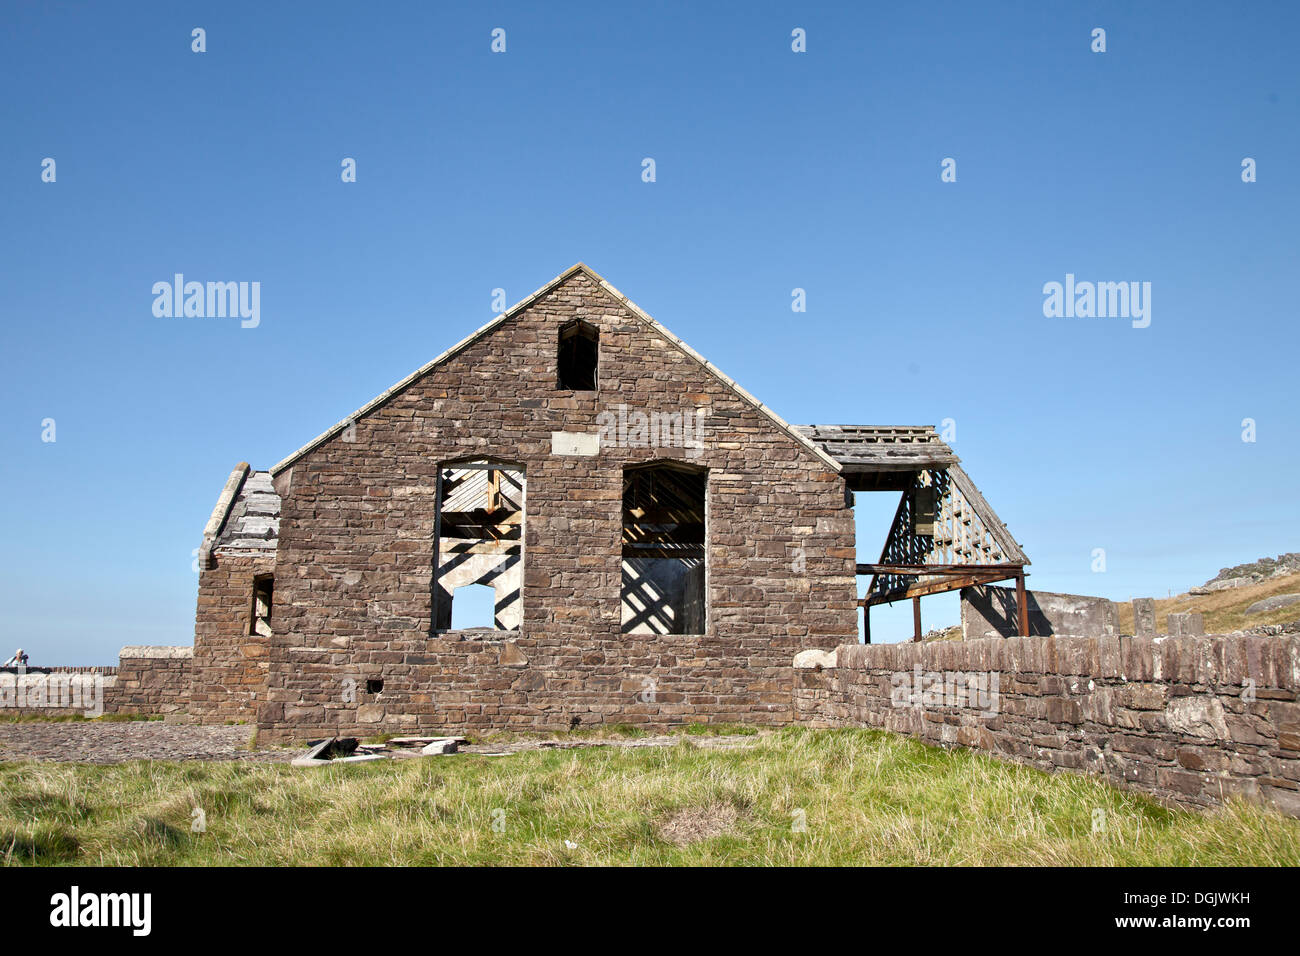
[[1194, 720], [152, 680]]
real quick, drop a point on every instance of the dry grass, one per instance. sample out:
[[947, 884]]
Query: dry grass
[[799, 796], [692, 824], [1224, 611]]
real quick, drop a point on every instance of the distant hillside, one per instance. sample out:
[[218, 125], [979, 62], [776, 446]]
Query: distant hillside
[[1228, 609], [1228, 600], [952, 633], [1258, 570]]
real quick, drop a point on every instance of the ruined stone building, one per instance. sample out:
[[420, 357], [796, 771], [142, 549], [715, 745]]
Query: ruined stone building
[[659, 548], [658, 543]]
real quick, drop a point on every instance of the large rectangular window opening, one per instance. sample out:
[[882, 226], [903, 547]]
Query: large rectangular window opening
[[664, 542], [478, 540]]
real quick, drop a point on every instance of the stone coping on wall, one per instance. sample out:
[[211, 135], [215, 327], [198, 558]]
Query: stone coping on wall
[[34, 678], [1218, 659], [155, 651], [102, 670]]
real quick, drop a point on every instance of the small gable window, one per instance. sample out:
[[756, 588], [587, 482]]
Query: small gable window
[[579, 355]]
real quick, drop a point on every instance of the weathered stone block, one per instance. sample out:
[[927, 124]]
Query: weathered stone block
[[1186, 624], [1201, 717], [1144, 617]]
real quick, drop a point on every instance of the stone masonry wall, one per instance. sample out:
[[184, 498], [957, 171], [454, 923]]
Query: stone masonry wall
[[991, 611], [478, 681], [151, 680], [1190, 719], [57, 691], [230, 664], [147, 681], [353, 564]]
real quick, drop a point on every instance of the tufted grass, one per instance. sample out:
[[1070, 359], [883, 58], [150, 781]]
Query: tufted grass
[[796, 797]]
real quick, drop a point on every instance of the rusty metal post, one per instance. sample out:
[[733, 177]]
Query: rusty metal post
[[916, 619], [866, 623], [1022, 604]]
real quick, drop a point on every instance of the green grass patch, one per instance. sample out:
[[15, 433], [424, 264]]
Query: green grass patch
[[716, 730], [602, 732], [798, 796]]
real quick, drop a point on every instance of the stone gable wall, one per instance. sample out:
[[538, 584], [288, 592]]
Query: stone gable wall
[[1190, 719], [353, 563]]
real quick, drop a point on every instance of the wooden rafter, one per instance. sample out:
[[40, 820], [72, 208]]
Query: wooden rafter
[[479, 510], [944, 536]]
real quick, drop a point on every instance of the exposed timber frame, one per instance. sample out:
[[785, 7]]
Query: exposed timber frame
[[944, 537]]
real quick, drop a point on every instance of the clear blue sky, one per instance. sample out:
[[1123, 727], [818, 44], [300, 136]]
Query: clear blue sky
[[775, 170]]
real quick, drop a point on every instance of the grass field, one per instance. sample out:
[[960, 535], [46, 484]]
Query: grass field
[[797, 796]]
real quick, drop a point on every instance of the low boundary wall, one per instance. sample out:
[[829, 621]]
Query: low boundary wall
[[152, 680], [1190, 720], [147, 681]]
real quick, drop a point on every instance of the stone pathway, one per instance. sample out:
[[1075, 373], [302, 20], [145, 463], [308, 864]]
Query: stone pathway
[[79, 742], [74, 741]]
